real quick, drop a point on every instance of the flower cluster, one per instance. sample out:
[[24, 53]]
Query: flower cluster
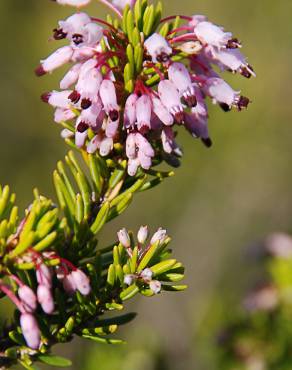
[[144, 276], [133, 86], [27, 300]]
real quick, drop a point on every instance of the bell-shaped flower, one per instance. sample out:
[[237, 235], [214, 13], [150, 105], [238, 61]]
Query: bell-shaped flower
[[28, 298], [159, 236], [80, 138], [230, 59], [155, 286], [124, 238], [58, 99], [55, 60], [142, 234], [210, 34], [130, 116], [106, 146], [45, 299], [180, 77], [161, 112], [158, 48], [146, 275], [71, 77], [82, 282], [69, 284], [224, 95], [143, 112], [168, 141], [170, 98], [44, 275], [30, 330], [120, 4], [94, 144], [109, 99], [77, 3]]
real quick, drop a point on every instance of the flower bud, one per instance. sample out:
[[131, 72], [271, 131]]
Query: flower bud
[[82, 282], [69, 284], [155, 286], [44, 275], [160, 236], [30, 330], [143, 111], [28, 298], [146, 275], [106, 146], [45, 299], [129, 279], [124, 238], [142, 234]]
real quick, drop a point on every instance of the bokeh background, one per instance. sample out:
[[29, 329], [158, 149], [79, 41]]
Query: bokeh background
[[220, 201]]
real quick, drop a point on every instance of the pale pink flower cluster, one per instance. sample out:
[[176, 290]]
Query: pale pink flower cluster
[[145, 121], [146, 275], [27, 300]]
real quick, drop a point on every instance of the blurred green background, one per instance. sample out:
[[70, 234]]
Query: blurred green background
[[220, 200]]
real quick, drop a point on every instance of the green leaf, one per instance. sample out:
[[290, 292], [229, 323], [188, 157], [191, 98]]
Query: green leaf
[[138, 56], [55, 360], [101, 218], [149, 19], [46, 242], [130, 25], [129, 293], [99, 339], [148, 256], [162, 267], [174, 288], [118, 320]]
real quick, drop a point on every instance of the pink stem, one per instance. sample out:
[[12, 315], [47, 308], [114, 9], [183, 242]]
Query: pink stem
[[184, 28], [112, 7], [103, 22], [17, 280], [187, 37], [174, 17], [12, 297]]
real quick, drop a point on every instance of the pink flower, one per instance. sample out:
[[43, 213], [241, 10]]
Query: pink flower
[[120, 4], [58, 99], [69, 284], [230, 59], [30, 330], [224, 95], [168, 141], [109, 99], [170, 98], [45, 299], [44, 275], [28, 298], [146, 275], [106, 146], [55, 60], [160, 236], [77, 3], [82, 282], [155, 286], [161, 112], [124, 238], [142, 234], [63, 115], [71, 77], [180, 77], [210, 34], [143, 112], [130, 116], [158, 48]]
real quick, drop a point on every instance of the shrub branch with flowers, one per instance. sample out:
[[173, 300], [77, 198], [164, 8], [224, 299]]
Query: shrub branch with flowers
[[133, 81]]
